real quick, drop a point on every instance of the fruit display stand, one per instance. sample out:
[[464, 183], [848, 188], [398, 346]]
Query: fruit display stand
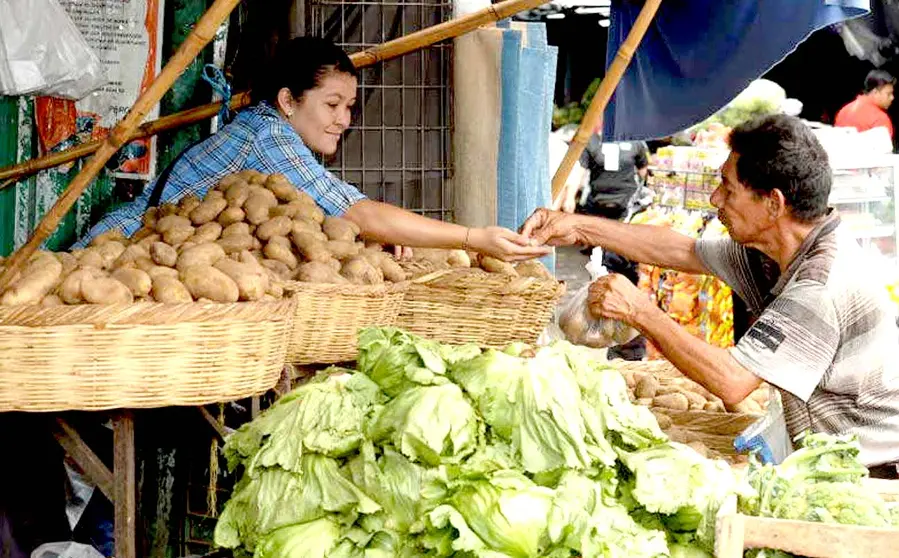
[[735, 532]]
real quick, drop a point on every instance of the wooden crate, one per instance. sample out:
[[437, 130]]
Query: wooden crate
[[736, 532]]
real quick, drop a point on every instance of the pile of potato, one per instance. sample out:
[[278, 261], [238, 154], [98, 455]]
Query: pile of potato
[[667, 396], [428, 260], [248, 235], [683, 394]]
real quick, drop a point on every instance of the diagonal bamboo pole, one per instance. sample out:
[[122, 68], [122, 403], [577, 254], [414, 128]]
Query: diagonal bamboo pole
[[386, 51], [198, 38], [604, 93], [16, 172]]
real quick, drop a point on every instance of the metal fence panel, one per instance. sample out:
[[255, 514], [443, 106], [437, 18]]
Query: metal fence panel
[[398, 149]]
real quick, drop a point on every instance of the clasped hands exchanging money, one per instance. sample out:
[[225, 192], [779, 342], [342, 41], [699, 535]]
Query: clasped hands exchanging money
[[611, 296]]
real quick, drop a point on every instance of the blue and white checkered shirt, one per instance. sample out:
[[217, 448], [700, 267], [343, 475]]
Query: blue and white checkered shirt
[[259, 139]]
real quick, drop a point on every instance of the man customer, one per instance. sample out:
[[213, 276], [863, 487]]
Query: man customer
[[869, 110], [824, 332]]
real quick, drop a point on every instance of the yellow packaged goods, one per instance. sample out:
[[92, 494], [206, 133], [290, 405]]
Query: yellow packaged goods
[[701, 304]]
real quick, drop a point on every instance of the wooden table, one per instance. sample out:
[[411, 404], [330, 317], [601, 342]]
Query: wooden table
[[119, 485]]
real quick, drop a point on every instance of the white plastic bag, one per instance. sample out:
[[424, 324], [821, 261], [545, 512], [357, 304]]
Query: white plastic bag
[[42, 52], [581, 327], [767, 437], [65, 550]]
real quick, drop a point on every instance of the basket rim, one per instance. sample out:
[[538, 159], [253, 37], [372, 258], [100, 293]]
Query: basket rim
[[146, 313]]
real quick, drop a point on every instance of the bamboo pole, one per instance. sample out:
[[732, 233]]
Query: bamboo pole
[[391, 49], [199, 37], [13, 173], [604, 93]]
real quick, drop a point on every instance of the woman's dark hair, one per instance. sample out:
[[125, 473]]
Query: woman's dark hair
[[781, 152], [877, 79], [299, 65]]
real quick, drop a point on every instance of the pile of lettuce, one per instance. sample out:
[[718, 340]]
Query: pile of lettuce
[[822, 482], [432, 450]]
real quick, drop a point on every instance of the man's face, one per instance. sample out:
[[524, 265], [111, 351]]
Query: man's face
[[883, 96], [742, 211]]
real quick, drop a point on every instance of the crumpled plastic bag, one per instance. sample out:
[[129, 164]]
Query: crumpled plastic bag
[[65, 550], [43, 53], [581, 327], [767, 437]]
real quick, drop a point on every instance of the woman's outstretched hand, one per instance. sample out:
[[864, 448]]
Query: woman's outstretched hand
[[506, 245]]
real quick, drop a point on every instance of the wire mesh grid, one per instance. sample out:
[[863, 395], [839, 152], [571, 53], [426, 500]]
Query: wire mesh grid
[[398, 148]]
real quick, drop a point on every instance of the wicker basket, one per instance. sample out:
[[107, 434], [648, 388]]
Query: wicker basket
[[461, 306], [329, 317], [94, 357]]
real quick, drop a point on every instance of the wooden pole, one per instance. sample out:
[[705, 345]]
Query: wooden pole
[[604, 93], [198, 38], [13, 173], [380, 53], [125, 485]]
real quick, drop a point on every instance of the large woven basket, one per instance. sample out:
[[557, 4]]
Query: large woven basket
[[329, 317], [461, 306], [93, 357]]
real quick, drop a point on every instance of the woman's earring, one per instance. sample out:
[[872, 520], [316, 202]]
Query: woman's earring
[[289, 113]]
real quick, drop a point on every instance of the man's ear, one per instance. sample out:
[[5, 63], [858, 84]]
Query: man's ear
[[776, 203]]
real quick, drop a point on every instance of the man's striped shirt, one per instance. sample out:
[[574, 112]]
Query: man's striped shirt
[[826, 335]]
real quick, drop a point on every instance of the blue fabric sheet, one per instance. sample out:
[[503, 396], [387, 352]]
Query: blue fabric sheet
[[527, 80], [699, 54]]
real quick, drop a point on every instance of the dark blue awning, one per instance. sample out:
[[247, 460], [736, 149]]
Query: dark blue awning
[[699, 54]]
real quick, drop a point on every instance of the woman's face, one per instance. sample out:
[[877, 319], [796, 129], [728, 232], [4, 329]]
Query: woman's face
[[323, 113]]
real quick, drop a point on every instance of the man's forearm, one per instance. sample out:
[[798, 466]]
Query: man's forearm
[[712, 367], [647, 244]]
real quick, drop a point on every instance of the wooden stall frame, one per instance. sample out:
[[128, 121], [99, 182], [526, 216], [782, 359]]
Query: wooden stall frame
[[120, 483], [386, 51], [604, 94], [735, 533]]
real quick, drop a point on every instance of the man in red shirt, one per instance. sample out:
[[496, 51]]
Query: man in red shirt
[[868, 110]]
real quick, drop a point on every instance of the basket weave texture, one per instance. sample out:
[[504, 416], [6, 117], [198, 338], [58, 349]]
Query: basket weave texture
[[95, 357], [460, 306], [328, 318]]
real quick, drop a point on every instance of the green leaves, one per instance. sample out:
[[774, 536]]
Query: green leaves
[[437, 451]]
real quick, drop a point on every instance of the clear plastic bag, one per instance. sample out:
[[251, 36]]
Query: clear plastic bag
[[581, 327], [767, 437], [65, 550], [34, 60]]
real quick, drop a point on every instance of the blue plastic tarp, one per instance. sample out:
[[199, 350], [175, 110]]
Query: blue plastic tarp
[[699, 54]]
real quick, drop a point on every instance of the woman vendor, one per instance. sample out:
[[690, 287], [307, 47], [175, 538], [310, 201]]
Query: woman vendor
[[302, 106]]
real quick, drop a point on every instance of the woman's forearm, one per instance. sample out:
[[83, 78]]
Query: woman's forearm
[[387, 224]]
